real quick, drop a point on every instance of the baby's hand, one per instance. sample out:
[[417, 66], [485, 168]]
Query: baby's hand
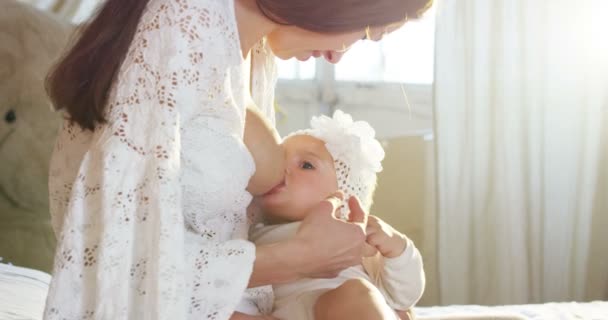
[[390, 242]]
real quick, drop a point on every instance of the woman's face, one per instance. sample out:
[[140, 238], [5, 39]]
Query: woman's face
[[289, 42], [310, 177]]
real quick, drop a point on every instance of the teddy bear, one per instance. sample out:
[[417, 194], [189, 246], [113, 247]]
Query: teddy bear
[[30, 42]]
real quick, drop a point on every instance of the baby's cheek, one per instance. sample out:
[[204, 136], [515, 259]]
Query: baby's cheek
[[304, 205], [301, 205]]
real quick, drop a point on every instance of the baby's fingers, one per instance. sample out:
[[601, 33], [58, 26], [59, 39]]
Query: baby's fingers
[[374, 239], [369, 251]]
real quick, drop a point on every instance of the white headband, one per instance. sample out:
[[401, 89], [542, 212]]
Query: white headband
[[356, 152]]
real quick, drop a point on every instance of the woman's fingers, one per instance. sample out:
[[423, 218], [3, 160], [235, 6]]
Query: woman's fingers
[[327, 207], [333, 244], [357, 214], [336, 201]]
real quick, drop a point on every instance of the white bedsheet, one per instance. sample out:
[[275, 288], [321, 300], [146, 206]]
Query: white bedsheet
[[551, 311], [23, 294]]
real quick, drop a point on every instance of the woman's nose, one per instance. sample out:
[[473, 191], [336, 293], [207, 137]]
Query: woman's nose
[[333, 56]]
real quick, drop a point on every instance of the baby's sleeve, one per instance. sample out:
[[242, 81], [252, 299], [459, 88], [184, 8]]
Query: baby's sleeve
[[401, 279]]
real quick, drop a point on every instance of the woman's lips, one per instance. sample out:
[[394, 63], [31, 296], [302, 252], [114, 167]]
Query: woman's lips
[[314, 53]]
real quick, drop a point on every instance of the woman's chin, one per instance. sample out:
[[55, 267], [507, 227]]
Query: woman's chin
[[300, 56], [303, 57], [284, 55]]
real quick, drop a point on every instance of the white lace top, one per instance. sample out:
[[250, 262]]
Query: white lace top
[[149, 209]]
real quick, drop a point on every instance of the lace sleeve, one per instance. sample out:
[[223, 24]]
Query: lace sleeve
[[131, 243]]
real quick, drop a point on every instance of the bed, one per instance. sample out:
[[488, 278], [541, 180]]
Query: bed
[[23, 292], [551, 311]]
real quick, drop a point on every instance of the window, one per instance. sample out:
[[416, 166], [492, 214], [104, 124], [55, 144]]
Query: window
[[404, 56], [294, 69], [375, 80]]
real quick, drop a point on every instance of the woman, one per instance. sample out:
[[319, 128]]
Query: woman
[[148, 176]]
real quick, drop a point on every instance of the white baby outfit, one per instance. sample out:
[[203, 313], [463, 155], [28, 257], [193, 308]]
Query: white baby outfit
[[357, 159], [400, 280]]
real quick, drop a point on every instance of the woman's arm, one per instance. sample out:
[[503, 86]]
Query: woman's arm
[[315, 251]]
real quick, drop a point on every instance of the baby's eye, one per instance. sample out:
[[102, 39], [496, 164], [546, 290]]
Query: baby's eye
[[307, 165]]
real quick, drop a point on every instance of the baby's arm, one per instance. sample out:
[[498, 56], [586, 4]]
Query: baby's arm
[[399, 272], [264, 144], [242, 316]]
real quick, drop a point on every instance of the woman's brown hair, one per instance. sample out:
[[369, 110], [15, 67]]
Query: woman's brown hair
[[333, 16], [81, 81]]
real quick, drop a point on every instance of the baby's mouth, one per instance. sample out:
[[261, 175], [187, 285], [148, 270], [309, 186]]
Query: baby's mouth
[[276, 189]]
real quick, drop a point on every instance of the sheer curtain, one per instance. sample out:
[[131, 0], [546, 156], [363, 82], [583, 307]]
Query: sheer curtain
[[521, 98]]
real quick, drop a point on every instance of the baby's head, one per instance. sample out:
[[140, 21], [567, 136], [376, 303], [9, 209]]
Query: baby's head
[[334, 154]]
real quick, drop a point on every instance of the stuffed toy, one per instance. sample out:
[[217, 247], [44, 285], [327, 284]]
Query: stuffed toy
[[30, 42]]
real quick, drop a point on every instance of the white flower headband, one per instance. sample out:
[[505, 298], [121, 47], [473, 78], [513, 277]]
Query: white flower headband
[[356, 152]]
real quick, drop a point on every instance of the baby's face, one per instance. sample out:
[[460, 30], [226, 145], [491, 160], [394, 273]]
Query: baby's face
[[310, 177]]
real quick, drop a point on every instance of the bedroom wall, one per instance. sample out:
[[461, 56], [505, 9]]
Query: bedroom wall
[[405, 199]]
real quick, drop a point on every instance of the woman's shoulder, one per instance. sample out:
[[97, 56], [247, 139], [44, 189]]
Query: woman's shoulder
[[219, 5], [201, 12], [200, 24], [219, 8]]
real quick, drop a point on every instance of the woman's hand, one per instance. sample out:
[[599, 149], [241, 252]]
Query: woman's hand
[[328, 245], [322, 247], [390, 242]]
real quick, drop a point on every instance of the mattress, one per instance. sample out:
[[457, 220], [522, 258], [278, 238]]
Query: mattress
[[551, 311], [23, 293]]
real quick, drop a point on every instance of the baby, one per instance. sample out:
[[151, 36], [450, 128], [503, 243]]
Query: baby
[[334, 154]]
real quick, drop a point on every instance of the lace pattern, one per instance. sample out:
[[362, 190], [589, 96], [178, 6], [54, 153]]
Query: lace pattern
[[149, 209]]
